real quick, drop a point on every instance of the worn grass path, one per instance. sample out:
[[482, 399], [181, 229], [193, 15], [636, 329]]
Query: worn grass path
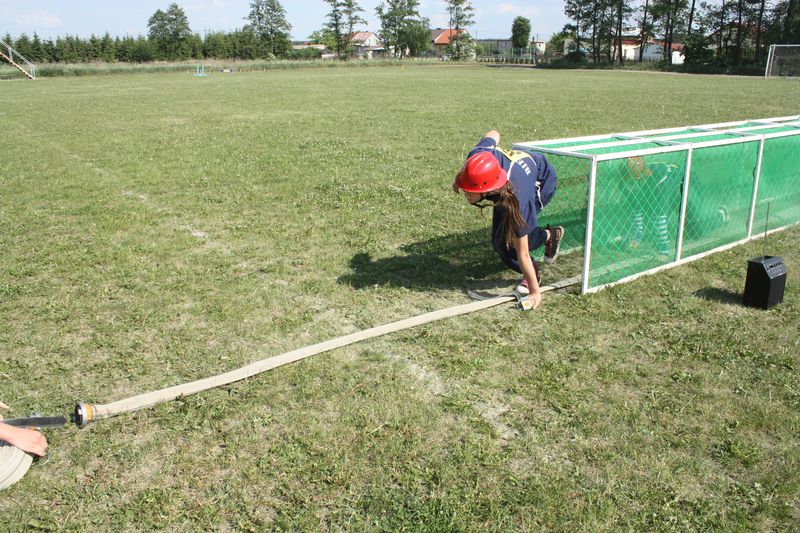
[[164, 228]]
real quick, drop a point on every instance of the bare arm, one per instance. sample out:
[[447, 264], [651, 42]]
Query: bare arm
[[28, 440], [494, 135], [526, 265]]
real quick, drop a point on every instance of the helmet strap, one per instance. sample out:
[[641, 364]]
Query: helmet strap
[[493, 197]]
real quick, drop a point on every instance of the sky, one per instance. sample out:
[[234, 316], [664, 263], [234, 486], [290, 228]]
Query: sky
[[51, 18]]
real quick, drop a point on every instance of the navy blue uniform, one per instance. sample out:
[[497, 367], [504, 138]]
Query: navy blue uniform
[[533, 180]]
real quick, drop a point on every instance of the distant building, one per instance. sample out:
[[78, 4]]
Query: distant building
[[495, 46], [569, 43], [653, 51], [504, 47], [366, 45], [300, 45], [441, 39]]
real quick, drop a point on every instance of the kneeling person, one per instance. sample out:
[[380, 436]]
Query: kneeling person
[[518, 186]]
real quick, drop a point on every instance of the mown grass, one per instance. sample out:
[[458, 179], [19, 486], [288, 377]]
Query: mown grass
[[162, 228], [211, 66]]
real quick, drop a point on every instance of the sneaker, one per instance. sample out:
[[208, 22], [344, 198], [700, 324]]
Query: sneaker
[[553, 244], [522, 287]]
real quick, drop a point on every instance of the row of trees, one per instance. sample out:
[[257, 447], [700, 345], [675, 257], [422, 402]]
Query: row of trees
[[237, 45], [265, 35], [170, 38], [731, 32]]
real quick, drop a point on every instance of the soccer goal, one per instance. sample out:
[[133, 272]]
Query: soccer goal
[[783, 60], [639, 202]]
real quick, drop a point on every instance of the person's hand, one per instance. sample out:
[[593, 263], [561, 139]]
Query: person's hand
[[28, 440], [536, 299]]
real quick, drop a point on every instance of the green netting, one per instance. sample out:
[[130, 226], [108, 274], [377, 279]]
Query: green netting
[[720, 194], [779, 184], [636, 215], [568, 207], [638, 198], [622, 148], [567, 144]]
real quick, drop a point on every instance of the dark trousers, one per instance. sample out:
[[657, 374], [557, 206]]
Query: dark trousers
[[536, 238]]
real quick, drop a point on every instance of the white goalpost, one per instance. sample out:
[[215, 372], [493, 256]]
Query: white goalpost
[[783, 60]]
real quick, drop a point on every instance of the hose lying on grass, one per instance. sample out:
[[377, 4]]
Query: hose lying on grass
[[86, 412], [14, 463]]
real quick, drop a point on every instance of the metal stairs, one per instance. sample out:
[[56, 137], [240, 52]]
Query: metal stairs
[[17, 59]]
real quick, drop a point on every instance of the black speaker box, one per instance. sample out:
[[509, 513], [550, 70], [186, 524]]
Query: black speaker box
[[765, 283]]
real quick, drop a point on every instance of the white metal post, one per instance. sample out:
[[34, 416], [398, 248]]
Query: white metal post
[[769, 61], [684, 203], [587, 247], [755, 189]]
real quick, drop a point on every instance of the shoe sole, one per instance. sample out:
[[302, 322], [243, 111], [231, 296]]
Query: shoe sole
[[551, 260]]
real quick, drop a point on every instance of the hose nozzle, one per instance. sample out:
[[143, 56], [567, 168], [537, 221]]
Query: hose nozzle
[[83, 414]]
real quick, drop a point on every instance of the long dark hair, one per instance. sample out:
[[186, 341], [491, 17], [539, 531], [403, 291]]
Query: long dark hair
[[512, 220]]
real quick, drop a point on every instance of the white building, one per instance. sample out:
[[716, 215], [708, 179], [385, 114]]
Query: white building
[[652, 51], [366, 44]]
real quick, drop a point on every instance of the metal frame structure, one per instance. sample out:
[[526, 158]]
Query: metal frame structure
[[12, 56], [771, 55], [668, 140]]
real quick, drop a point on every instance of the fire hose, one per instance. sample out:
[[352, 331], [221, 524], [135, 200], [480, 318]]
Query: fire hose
[[14, 463]]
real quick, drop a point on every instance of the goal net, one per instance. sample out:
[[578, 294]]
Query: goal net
[[783, 60]]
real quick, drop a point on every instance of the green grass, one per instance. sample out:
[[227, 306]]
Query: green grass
[[163, 228], [212, 66]]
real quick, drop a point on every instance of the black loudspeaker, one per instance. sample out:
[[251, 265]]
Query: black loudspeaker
[[765, 283]]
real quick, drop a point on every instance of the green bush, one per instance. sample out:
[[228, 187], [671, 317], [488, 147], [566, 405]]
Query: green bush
[[304, 53]]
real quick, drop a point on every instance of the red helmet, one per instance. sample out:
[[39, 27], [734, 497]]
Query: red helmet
[[481, 173]]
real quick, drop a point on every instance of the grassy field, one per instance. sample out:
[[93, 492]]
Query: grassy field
[[212, 67], [162, 228]]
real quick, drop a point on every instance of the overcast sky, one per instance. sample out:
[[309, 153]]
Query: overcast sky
[[51, 18]]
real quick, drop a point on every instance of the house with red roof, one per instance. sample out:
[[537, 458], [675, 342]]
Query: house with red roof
[[441, 39]]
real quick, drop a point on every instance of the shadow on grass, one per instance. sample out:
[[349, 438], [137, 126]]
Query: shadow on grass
[[724, 296], [447, 262]]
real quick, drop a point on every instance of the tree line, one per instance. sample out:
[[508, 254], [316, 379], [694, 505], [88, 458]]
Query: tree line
[[170, 38], [265, 35], [723, 33]]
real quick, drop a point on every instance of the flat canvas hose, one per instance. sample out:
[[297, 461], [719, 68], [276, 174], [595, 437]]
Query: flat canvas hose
[[86, 412], [14, 463]]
